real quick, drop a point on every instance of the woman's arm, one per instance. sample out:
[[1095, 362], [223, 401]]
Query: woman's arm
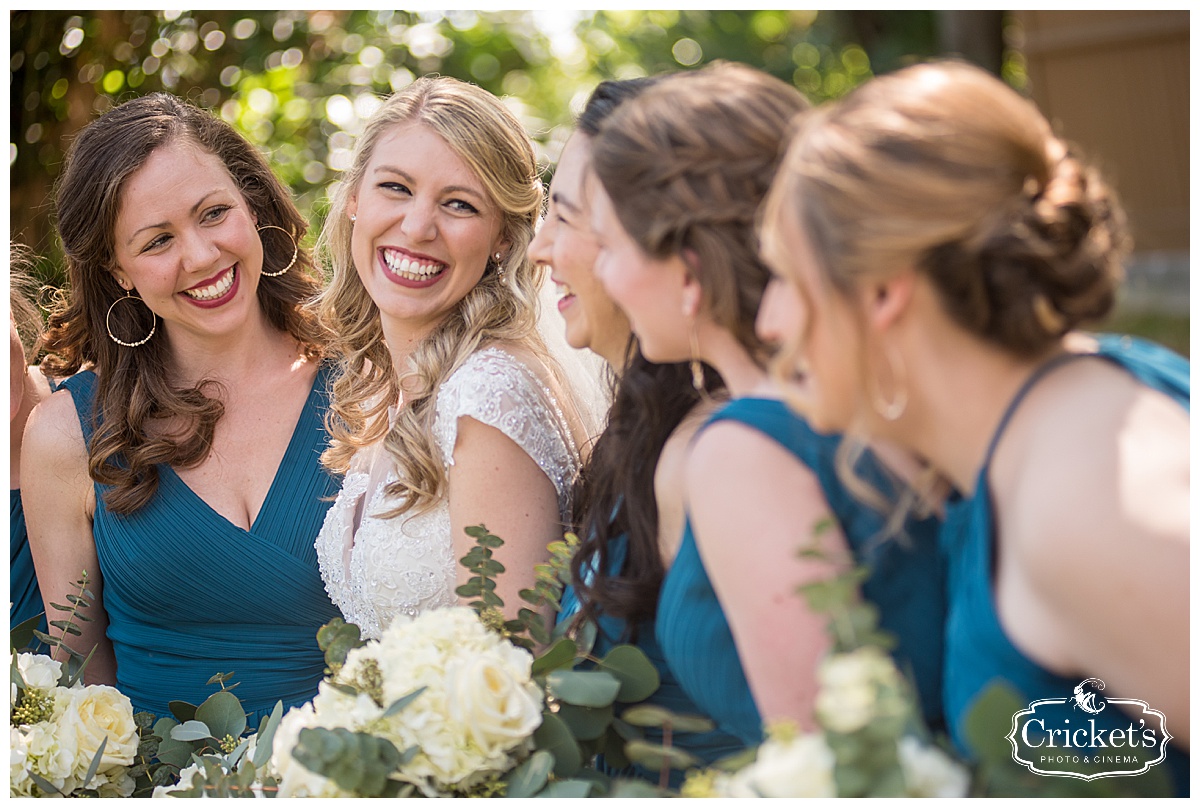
[[753, 507], [495, 483], [57, 495]]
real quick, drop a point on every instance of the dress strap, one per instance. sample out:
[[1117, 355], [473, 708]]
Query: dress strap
[[1040, 372]]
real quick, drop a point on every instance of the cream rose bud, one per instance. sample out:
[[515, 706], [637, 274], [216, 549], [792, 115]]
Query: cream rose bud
[[98, 712], [499, 710], [39, 671], [849, 685]]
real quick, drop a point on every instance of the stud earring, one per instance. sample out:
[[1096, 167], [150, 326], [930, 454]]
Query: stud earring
[[353, 218]]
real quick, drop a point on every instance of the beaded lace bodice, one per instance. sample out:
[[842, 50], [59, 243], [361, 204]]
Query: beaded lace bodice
[[406, 564]]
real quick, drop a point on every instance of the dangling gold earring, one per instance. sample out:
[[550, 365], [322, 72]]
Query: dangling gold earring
[[295, 251], [694, 363], [499, 266], [108, 322], [890, 410]]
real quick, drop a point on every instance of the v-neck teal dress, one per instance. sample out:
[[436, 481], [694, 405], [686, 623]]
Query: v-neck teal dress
[[188, 594]]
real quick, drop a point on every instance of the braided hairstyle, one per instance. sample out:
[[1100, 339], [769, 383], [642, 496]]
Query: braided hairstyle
[[943, 167]]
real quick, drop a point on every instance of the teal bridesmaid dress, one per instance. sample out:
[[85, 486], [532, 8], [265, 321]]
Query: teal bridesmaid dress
[[25, 600], [905, 582], [189, 595], [978, 651], [611, 631]]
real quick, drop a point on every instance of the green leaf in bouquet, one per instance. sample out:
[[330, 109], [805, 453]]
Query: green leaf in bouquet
[[222, 713], [569, 789], [337, 638], [191, 731], [531, 776], [655, 756], [635, 789], [584, 688], [144, 720], [220, 678], [555, 737], [558, 655], [67, 626], [182, 710], [95, 764], [637, 674], [45, 785], [535, 625], [585, 638], [625, 730], [473, 588], [73, 669], [612, 745], [652, 715], [21, 636], [986, 723], [402, 702], [586, 723], [356, 761], [266, 736]]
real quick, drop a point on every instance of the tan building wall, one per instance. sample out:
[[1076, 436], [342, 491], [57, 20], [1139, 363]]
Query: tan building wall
[[1117, 84]]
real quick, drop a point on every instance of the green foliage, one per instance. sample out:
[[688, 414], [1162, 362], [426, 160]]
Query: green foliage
[[338, 638], [356, 761], [76, 661]]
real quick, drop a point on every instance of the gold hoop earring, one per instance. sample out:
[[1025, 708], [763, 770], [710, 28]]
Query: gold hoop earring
[[108, 322], [890, 410], [295, 251]]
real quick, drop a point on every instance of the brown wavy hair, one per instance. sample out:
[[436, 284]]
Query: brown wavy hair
[[944, 167], [503, 306], [135, 386], [687, 164]]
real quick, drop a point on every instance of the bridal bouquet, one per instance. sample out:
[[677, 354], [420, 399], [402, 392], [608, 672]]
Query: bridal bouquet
[[67, 738]]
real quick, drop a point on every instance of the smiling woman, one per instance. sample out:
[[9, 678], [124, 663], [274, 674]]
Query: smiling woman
[[448, 410], [179, 462]]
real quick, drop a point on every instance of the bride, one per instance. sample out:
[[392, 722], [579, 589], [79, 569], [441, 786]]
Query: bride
[[448, 410]]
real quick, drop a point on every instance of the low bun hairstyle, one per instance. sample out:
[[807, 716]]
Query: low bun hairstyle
[[944, 167]]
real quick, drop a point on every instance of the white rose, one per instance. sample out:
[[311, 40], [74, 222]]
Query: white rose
[[295, 780], [98, 712], [930, 772], [185, 782], [849, 684], [39, 671], [802, 767], [498, 709]]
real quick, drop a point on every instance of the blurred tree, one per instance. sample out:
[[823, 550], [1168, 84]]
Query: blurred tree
[[300, 83]]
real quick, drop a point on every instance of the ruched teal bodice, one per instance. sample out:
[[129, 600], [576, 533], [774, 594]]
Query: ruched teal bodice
[[189, 595], [978, 650], [905, 582], [611, 631]]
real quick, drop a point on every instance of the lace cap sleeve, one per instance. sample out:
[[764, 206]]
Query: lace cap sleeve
[[496, 389]]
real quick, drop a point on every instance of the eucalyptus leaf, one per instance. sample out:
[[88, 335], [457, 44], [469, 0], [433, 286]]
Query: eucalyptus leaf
[[22, 635], [637, 674], [655, 756], [95, 764], [43, 784], [560, 654], [531, 776], [586, 723], [555, 737], [266, 736], [182, 710], [402, 702], [569, 789], [223, 714], [191, 731], [584, 688]]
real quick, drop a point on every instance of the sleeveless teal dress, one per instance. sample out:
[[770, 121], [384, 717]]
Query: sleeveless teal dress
[[24, 598], [189, 595], [610, 631], [978, 652], [25, 601], [905, 582]]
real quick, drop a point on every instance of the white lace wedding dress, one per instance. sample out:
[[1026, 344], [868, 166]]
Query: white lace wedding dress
[[375, 568]]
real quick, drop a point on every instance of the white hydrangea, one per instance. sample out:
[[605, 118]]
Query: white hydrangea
[[474, 719], [849, 687], [930, 772]]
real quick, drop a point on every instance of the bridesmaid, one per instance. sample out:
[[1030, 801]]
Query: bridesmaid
[[937, 247], [180, 466], [27, 387], [682, 170], [629, 499]]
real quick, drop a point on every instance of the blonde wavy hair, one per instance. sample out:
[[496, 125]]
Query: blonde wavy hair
[[503, 306]]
